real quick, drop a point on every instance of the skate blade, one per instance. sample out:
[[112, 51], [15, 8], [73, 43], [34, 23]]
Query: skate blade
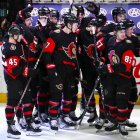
[[30, 133], [131, 128], [112, 132], [77, 127], [45, 124], [65, 127], [52, 132], [91, 124], [38, 125], [124, 137], [100, 130], [13, 136], [24, 130]]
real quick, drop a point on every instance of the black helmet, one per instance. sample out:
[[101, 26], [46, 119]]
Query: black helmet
[[80, 9], [14, 30], [128, 23], [43, 11], [98, 22], [118, 10], [120, 26], [54, 13], [101, 19], [70, 18]]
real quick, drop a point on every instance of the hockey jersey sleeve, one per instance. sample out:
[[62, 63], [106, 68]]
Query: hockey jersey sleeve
[[48, 50]]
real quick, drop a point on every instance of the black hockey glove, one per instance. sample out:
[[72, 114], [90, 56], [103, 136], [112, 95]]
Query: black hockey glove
[[105, 69], [54, 78], [30, 72], [51, 70]]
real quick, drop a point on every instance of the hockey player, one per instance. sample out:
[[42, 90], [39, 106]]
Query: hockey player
[[87, 39], [118, 14], [43, 17], [120, 61], [133, 94], [15, 73], [43, 93], [30, 40], [80, 12], [53, 20], [60, 62], [54, 16]]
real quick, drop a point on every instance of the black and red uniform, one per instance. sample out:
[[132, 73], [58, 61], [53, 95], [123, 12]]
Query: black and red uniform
[[14, 68], [60, 61], [120, 61], [87, 58], [43, 93]]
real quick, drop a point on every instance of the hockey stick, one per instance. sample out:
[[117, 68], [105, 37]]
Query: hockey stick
[[29, 81], [95, 86], [71, 4], [87, 105]]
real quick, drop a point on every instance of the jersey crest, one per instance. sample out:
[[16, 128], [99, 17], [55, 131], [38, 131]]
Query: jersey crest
[[71, 50], [89, 50], [113, 57]]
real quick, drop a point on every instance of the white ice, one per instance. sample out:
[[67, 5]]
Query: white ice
[[84, 133]]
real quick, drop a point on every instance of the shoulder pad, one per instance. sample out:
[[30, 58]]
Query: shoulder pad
[[57, 31], [128, 41]]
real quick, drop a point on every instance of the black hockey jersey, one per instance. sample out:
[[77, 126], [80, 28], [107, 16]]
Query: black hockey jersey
[[87, 44], [61, 49]]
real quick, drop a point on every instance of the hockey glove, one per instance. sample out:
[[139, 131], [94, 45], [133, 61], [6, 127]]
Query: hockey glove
[[30, 72], [54, 79], [105, 69]]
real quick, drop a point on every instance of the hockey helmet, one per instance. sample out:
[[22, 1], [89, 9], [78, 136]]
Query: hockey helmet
[[43, 11], [70, 18], [118, 10], [54, 13], [101, 19], [98, 22], [128, 23], [80, 9], [14, 30], [120, 26]]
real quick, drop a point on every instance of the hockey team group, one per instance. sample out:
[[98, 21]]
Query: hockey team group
[[43, 65]]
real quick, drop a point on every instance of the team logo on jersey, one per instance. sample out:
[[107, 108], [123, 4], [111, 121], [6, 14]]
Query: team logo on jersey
[[13, 47], [114, 59], [89, 50], [134, 12], [34, 12], [71, 50], [103, 11], [60, 86], [138, 24]]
